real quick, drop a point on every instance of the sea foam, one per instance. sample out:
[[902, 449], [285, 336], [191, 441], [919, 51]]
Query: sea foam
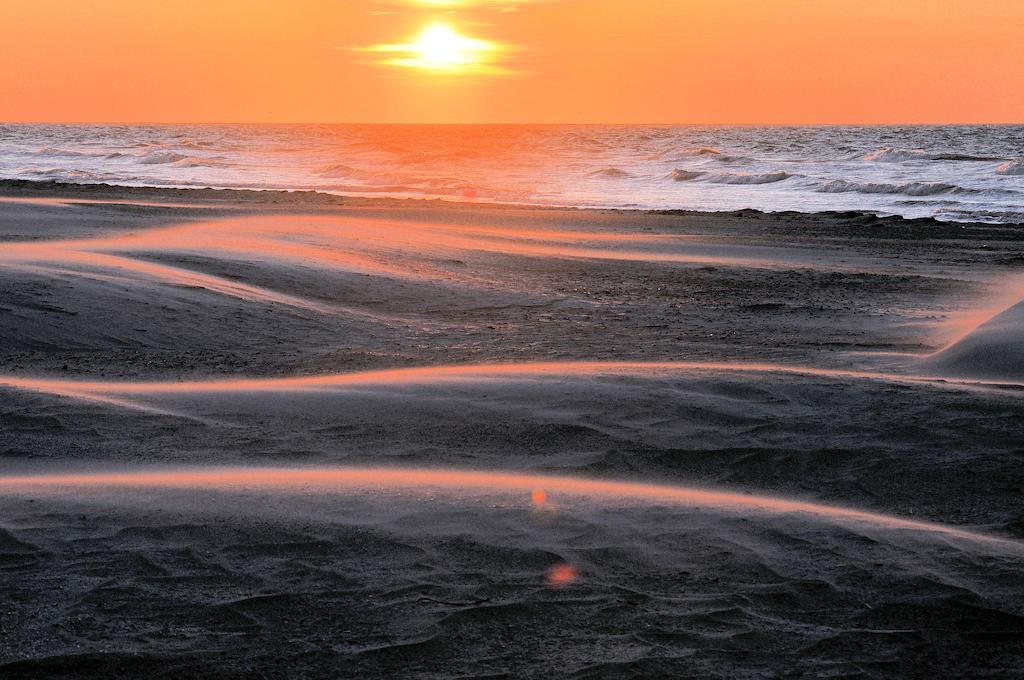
[[1011, 168]]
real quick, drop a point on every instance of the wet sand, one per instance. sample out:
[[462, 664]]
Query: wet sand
[[294, 435]]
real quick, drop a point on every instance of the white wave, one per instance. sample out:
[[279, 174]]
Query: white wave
[[892, 154], [980, 215], [65, 153], [686, 175], [179, 144], [64, 174], [1011, 167], [841, 186], [611, 172], [190, 144], [961, 157], [681, 175], [700, 151], [191, 162], [161, 158], [339, 170], [750, 178], [724, 158]]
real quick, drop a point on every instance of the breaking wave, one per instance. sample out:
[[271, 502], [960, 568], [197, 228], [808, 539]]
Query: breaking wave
[[611, 172], [700, 151], [686, 175], [750, 178], [190, 162], [66, 153], [180, 160], [892, 154], [681, 175], [161, 158], [62, 174], [1015, 167], [981, 215], [841, 186], [341, 171], [723, 158]]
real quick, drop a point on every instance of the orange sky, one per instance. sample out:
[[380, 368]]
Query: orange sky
[[657, 61]]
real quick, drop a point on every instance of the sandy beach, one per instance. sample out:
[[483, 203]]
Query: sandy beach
[[284, 435]]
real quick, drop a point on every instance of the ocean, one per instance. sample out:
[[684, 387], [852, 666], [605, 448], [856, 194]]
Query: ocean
[[951, 173]]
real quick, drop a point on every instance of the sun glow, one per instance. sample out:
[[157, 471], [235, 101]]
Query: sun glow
[[440, 48], [506, 5]]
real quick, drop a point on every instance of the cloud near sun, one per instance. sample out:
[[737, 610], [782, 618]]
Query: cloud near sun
[[439, 48]]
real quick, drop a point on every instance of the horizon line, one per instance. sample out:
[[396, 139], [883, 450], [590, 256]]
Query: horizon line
[[518, 123]]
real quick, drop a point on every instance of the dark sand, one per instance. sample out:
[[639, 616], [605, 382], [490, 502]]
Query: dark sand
[[839, 360]]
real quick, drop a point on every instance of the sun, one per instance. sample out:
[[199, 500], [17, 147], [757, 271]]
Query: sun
[[439, 46], [442, 49]]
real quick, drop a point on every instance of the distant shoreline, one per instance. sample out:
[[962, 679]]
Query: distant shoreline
[[22, 188], [970, 174]]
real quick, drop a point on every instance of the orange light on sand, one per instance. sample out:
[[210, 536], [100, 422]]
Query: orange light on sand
[[340, 480], [440, 48], [959, 326], [562, 575], [108, 391]]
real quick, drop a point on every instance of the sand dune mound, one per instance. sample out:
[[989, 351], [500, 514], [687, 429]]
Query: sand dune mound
[[992, 351], [385, 577]]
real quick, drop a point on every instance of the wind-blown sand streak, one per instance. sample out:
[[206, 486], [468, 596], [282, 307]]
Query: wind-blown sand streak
[[130, 405], [319, 480], [185, 277], [34, 259], [398, 248], [467, 373], [71, 202], [964, 324]]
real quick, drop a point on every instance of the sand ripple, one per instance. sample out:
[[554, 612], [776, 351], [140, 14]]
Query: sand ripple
[[389, 582]]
